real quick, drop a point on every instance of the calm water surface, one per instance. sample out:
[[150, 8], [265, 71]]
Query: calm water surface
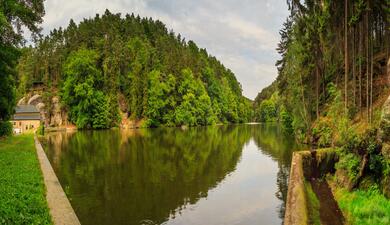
[[218, 175]]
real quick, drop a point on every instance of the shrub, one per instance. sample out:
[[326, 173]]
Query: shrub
[[386, 167], [322, 132], [41, 130], [5, 128], [350, 163], [286, 121]]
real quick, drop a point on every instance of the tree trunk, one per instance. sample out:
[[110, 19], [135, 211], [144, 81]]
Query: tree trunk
[[367, 66], [360, 65], [346, 55], [317, 93], [371, 74], [353, 66]]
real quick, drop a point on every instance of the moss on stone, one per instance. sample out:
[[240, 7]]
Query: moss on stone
[[313, 205]]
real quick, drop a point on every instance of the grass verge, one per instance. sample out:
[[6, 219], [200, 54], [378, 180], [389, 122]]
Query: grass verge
[[364, 207], [22, 191]]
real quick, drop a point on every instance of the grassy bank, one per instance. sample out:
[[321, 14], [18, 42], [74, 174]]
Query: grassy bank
[[364, 207], [22, 191]]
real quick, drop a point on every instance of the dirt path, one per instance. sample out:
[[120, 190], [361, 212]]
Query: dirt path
[[330, 213]]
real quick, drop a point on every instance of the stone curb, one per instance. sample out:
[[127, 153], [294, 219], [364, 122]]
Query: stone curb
[[61, 210]]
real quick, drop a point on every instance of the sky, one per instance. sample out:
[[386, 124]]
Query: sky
[[242, 34]]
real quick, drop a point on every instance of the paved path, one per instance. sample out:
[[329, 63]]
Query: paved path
[[61, 210]]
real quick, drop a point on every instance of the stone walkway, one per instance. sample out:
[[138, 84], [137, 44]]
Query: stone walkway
[[61, 210]]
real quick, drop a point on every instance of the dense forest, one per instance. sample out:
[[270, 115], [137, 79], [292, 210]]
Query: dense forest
[[333, 60], [111, 64], [332, 82]]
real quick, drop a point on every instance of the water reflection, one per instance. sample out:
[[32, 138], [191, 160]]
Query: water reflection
[[272, 141], [205, 175]]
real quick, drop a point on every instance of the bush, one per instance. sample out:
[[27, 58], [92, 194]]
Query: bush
[[5, 128], [41, 130], [322, 133], [350, 163], [386, 167], [286, 121]]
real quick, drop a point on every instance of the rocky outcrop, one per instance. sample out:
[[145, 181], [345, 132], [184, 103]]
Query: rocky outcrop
[[22, 101], [58, 117], [51, 111], [34, 100]]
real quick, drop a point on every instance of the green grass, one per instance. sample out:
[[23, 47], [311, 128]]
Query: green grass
[[22, 191], [364, 207]]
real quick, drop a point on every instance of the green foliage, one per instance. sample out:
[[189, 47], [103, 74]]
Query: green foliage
[[41, 130], [89, 106], [195, 105], [265, 93], [366, 144], [268, 109], [312, 60], [286, 121], [386, 167], [350, 163], [335, 127], [22, 191], [5, 128], [7, 91], [14, 14], [340, 123], [322, 132], [164, 80], [364, 207], [157, 89]]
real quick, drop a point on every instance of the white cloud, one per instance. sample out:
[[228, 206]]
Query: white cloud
[[248, 30]]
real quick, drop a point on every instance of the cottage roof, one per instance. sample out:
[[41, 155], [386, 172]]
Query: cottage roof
[[27, 117], [26, 112], [26, 109]]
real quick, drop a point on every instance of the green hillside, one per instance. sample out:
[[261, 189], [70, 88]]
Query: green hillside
[[111, 64]]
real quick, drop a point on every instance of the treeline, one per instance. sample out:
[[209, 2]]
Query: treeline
[[333, 53], [111, 63]]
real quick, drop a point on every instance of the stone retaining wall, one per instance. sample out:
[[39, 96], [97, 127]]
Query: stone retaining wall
[[61, 210], [304, 165]]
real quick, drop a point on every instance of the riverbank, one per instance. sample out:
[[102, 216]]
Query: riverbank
[[60, 208], [22, 191], [363, 206]]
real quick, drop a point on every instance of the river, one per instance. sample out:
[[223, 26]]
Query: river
[[216, 175]]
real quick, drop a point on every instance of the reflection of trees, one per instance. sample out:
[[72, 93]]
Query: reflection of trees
[[152, 174], [123, 177], [282, 183], [272, 141]]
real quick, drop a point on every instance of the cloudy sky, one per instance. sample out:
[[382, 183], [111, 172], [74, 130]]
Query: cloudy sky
[[243, 34]]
